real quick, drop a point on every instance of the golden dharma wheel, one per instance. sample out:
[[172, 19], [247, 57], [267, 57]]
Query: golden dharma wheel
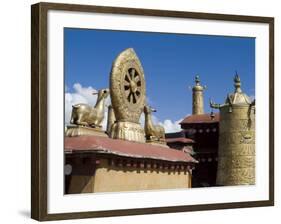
[[127, 86]]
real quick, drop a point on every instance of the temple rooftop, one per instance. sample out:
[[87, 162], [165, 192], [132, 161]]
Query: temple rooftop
[[105, 145], [179, 140], [201, 118]]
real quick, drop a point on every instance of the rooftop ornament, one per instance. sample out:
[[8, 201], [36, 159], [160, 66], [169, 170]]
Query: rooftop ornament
[[236, 155], [153, 133], [197, 97], [238, 97], [128, 95], [86, 119]]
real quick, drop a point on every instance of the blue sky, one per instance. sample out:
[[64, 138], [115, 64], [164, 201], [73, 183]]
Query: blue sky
[[170, 63]]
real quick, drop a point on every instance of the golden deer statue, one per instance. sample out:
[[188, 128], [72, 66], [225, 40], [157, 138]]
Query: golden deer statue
[[152, 132], [86, 115]]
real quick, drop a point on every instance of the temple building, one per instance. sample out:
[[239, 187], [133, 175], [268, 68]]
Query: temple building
[[179, 141], [223, 143], [102, 164], [212, 149], [203, 130], [127, 156]]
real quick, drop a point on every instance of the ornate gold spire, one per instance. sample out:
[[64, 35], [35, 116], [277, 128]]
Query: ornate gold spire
[[235, 98], [237, 83], [238, 97], [236, 154], [197, 97]]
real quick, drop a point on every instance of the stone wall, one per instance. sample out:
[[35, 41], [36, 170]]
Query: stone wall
[[108, 178]]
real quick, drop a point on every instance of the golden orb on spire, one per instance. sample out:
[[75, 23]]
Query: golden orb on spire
[[198, 86]]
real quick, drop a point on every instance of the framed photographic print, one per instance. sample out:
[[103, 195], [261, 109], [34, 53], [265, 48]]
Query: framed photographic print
[[139, 111]]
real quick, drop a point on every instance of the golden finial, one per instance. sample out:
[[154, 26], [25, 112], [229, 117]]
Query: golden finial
[[237, 83], [197, 97], [198, 85], [197, 80]]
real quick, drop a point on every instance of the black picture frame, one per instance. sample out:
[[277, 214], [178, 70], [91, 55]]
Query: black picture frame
[[39, 108]]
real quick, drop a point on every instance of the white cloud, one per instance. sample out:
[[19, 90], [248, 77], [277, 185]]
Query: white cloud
[[84, 95], [171, 126]]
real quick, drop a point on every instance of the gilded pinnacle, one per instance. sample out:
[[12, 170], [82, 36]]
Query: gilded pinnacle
[[237, 83], [197, 80], [197, 97]]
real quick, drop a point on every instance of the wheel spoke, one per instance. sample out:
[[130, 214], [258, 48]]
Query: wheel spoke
[[134, 98], [128, 77], [137, 78], [133, 72], [129, 97], [127, 81]]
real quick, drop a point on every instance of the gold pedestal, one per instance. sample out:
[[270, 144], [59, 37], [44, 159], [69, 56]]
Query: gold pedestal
[[75, 130], [128, 131]]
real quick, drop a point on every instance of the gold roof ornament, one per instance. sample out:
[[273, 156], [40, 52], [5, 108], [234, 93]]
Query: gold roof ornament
[[197, 97], [86, 119], [238, 97], [198, 86], [155, 134], [128, 95], [236, 154], [127, 85]]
